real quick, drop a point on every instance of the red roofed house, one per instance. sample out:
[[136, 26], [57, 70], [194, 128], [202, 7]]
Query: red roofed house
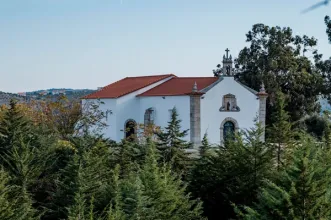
[[217, 105]]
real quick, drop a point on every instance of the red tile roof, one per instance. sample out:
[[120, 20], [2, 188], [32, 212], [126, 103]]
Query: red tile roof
[[126, 86], [179, 86]]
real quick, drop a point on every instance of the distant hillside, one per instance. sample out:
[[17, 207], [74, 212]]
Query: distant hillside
[[71, 94], [6, 97]]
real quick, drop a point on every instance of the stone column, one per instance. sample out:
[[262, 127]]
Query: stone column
[[195, 119], [262, 109]]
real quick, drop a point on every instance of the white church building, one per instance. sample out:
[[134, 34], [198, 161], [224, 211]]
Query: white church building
[[213, 105]]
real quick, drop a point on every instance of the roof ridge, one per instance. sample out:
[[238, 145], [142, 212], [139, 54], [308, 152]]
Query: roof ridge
[[159, 75], [194, 77], [103, 88], [157, 86], [158, 78], [184, 85], [148, 84]]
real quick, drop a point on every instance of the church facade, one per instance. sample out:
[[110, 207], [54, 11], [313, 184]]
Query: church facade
[[217, 105]]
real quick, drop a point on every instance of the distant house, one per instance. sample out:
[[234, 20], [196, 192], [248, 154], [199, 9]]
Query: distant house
[[217, 105], [21, 93]]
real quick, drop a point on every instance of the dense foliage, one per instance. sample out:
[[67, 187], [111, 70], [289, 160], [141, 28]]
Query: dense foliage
[[328, 27], [62, 175]]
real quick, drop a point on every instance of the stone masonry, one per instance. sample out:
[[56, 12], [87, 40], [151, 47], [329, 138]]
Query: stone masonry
[[262, 109], [195, 119]]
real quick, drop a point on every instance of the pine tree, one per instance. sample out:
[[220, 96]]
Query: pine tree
[[13, 127], [172, 146], [78, 210], [281, 133], [205, 146], [14, 203], [25, 165], [134, 204], [114, 211], [128, 155], [166, 192], [7, 207], [302, 189], [85, 176]]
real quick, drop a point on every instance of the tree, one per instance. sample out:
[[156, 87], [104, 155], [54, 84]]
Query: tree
[[302, 189], [7, 206], [13, 128], [85, 176], [171, 144], [150, 193], [129, 156], [205, 146], [281, 133], [166, 192], [328, 27], [316, 125], [24, 165], [278, 59], [67, 117], [233, 175]]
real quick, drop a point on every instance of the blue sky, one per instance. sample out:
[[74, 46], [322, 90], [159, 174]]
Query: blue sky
[[91, 43]]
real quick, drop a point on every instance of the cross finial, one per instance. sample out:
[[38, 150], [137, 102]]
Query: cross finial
[[227, 52], [262, 88]]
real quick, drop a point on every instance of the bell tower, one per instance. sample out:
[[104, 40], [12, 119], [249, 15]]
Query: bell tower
[[227, 64]]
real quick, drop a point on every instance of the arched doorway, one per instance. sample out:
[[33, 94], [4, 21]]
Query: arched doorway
[[130, 129], [228, 130]]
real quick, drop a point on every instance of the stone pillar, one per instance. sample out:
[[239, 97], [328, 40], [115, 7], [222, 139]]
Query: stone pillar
[[195, 119], [262, 109]]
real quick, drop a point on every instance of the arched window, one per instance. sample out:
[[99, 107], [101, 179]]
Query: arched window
[[149, 117], [229, 103], [130, 129], [228, 130]]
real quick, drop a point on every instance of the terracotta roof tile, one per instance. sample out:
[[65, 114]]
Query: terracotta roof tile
[[179, 86], [126, 86]]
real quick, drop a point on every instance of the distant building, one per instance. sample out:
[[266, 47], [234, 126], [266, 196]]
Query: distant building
[[21, 94], [43, 92], [218, 106]]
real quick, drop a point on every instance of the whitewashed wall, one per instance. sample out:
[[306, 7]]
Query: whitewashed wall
[[127, 107], [123, 108], [211, 117], [110, 120], [132, 107], [162, 107]]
